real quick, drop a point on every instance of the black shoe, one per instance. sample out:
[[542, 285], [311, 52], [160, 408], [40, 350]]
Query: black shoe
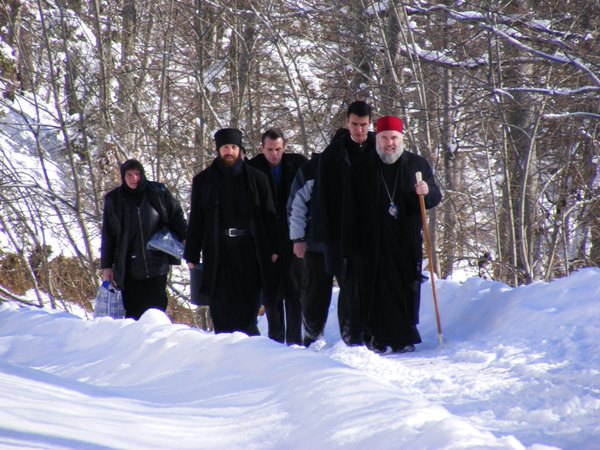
[[377, 347], [353, 341], [307, 341], [409, 348]]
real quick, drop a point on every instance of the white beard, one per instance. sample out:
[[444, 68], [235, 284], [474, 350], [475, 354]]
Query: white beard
[[389, 158]]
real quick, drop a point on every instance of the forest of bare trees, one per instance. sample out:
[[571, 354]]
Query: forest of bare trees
[[502, 97]]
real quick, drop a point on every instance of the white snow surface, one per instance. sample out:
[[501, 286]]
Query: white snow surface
[[519, 368]]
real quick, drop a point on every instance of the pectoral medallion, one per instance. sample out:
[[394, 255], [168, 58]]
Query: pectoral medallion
[[393, 210]]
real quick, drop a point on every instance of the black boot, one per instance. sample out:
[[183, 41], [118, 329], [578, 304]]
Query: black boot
[[408, 348]]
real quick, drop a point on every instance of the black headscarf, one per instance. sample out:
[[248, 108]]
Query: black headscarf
[[137, 193]]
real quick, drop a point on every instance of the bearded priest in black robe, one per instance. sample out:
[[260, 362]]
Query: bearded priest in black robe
[[382, 232]]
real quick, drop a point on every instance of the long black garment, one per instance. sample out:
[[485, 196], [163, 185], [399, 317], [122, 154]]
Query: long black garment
[[387, 251], [235, 304], [390, 321]]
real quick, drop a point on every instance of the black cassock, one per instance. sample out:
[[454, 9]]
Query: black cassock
[[236, 300], [391, 319], [233, 226], [385, 243]]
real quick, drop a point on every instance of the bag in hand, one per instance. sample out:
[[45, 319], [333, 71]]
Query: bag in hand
[[164, 241], [109, 302]]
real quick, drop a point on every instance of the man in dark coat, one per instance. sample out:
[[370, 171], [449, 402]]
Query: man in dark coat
[[382, 232], [326, 210], [133, 212], [319, 284], [284, 307], [233, 226]]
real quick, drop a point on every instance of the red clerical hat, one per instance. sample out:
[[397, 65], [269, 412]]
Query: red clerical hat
[[388, 123]]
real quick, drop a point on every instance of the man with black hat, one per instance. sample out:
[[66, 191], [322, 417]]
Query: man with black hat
[[382, 232], [284, 309], [233, 226], [133, 212]]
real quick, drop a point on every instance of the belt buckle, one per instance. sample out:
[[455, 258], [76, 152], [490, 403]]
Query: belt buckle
[[230, 232]]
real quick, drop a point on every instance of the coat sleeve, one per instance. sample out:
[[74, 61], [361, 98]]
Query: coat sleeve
[[195, 226], [298, 205], [176, 219], [434, 196]]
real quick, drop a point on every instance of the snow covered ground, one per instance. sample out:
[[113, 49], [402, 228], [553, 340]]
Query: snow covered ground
[[519, 369]]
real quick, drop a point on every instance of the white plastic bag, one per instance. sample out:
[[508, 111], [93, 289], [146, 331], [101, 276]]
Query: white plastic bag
[[164, 241]]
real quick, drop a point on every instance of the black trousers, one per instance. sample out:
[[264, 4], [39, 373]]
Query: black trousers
[[284, 312], [316, 301], [350, 316], [141, 295]]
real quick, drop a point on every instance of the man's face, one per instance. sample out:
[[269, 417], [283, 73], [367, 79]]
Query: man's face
[[229, 153], [359, 127], [133, 178], [273, 150], [389, 146]]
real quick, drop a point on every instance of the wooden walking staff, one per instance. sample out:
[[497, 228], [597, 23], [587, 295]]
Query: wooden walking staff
[[419, 178]]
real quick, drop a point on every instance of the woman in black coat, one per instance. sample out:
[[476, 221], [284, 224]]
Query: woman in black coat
[[133, 212]]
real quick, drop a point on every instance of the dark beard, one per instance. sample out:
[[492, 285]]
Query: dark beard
[[229, 167], [229, 162]]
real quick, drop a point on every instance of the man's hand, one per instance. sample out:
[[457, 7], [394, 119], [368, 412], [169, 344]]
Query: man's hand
[[191, 265], [108, 275], [274, 257], [422, 188], [300, 249]]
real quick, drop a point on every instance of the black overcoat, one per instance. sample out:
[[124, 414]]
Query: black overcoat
[[326, 205], [290, 163], [365, 203], [204, 229]]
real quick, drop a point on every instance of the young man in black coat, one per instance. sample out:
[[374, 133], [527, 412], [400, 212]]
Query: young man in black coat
[[283, 308], [133, 212], [233, 226], [326, 210], [382, 232]]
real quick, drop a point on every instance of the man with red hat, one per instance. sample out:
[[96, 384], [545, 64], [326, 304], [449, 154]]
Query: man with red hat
[[382, 233], [233, 225]]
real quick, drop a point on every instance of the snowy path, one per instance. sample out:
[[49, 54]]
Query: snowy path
[[539, 382], [519, 369], [506, 390]]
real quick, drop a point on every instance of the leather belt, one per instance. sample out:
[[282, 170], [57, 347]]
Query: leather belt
[[236, 232]]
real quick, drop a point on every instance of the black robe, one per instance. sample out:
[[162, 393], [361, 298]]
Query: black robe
[[234, 268], [387, 251]]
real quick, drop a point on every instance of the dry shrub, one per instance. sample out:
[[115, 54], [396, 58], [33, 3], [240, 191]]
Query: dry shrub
[[180, 313], [71, 282], [13, 274]]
